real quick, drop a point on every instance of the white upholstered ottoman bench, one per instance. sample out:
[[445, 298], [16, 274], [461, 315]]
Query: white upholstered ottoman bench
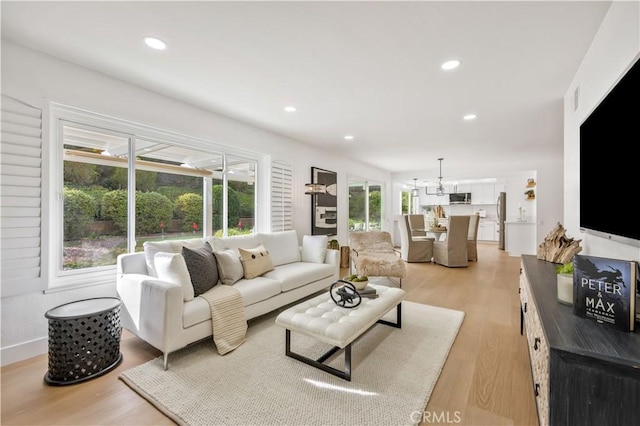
[[323, 320]]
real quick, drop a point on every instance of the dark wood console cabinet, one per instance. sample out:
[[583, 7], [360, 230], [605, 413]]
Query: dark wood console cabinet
[[584, 373]]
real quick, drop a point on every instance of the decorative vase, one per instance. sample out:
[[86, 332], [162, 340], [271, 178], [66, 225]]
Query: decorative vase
[[359, 285], [565, 288]]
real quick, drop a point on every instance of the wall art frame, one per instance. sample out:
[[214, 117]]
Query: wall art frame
[[324, 207]]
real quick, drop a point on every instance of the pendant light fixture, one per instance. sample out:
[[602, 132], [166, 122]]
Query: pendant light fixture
[[415, 192], [440, 187]]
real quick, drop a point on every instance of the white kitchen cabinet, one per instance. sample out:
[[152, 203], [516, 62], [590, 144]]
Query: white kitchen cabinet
[[465, 187], [483, 193], [487, 230]]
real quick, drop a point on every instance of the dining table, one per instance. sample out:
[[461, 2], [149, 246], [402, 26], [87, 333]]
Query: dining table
[[432, 231]]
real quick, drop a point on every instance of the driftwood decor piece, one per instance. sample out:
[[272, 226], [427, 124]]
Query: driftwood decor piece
[[557, 247]]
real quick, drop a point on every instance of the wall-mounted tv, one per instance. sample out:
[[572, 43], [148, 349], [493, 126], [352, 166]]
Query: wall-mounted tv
[[609, 165]]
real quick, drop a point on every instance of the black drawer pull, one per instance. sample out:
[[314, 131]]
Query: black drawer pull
[[536, 343], [525, 306], [536, 389], [519, 290]]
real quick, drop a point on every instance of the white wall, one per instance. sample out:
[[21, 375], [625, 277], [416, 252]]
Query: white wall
[[614, 48], [34, 77]]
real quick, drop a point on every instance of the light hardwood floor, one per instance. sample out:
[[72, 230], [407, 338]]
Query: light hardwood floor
[[485, 381]]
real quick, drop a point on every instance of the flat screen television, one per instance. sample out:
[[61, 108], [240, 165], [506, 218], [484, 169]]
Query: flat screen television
[[609, 165]]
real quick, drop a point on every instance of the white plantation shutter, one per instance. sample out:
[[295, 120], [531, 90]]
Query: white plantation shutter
[[20, 197], [281, 197]]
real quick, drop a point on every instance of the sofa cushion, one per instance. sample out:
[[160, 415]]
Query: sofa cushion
[[166, 246], [283, 246], [257, 289], [255, 262], [235, 242], [171, 267], [314, 248], [229, 266], [202, 267], [252, 291], [298, 274]]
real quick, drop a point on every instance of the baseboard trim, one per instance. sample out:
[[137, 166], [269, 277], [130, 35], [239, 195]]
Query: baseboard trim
[[22, 351]]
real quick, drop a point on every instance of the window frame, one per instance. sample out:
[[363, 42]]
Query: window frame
[[367, 183], [59, 115]]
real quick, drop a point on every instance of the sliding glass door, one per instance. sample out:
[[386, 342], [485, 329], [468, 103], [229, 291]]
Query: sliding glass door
[[365, 205]]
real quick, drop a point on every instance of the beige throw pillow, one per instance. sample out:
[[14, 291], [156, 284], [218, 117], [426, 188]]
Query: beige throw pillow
[[229, 266], [255, 262]]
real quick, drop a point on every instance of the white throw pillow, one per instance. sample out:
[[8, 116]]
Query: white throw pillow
[[150, 250], [166, 246], [172, 268], [314, 248]]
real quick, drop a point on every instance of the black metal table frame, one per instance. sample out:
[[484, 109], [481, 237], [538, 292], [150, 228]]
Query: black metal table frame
[[319, 363]]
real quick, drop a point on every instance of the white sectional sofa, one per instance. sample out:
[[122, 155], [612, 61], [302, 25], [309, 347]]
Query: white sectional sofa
[[159, 311]]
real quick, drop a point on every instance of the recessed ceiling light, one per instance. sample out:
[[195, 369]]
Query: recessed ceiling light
[[349, 138], [469, 117], [449, 65], [155, 43], [290, 109]]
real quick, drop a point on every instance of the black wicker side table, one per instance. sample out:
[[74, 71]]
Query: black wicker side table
[[84, 340]]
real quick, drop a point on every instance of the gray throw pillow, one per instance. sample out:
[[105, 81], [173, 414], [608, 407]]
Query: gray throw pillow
[[202, 267]]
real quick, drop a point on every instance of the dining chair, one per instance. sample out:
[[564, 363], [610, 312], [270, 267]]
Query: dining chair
[[414, 248], [472, 237], [452, 252], [417, 225]]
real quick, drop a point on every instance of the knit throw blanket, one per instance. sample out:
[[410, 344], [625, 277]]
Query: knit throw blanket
[[227, 317]]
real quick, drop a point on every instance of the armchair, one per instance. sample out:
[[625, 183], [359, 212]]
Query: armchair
[[373, 255]]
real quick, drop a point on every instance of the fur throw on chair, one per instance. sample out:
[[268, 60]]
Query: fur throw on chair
[[374, 255]]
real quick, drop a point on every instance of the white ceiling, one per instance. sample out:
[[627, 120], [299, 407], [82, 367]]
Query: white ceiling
[[371, 69]]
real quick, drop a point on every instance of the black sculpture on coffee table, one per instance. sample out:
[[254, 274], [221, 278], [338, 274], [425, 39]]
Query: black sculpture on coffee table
[[344, 294]]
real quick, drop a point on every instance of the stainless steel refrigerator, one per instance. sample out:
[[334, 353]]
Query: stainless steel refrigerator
[[501, 206]]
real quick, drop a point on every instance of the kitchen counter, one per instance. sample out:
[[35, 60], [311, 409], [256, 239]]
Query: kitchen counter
[[520, 237]]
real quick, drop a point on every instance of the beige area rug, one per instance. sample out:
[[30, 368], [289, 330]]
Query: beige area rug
[[393, 372]]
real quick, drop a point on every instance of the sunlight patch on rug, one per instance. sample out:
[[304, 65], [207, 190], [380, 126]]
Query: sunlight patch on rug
[[393, 370]]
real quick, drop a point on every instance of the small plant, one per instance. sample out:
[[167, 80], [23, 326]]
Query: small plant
[[565, 268], [334, 244]]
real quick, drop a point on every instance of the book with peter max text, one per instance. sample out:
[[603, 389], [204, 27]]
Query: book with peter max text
[[605, 290]]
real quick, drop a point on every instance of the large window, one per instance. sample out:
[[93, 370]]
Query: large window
[[95, 196], [119, 189]]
